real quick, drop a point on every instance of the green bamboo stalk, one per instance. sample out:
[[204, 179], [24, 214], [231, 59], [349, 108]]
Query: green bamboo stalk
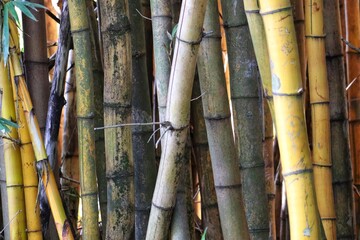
[[182, 222], [161, 24], [218, 124], [85, 117], [143, 151], [209, 207], [340, 153], [244, 79], [115, 28], [98, 75], [188, 36]]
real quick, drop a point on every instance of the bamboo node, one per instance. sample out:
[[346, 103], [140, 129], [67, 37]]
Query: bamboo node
[[276, 11], [166, 209], [228, 186]]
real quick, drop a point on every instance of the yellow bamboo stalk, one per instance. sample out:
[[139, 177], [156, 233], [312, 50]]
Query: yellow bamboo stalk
[[290, 120], [30, 178], [320, 115], [42, 165], [14, 178]]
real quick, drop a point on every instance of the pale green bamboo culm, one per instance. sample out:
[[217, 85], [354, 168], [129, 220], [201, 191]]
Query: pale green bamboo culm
[[85, 117], [188, 37], [218, 126]]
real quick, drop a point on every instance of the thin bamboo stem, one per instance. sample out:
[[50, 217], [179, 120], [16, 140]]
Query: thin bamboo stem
[[340, 152], [319, 100]]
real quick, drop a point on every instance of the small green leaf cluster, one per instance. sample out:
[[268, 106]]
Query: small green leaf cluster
[[8, 7]]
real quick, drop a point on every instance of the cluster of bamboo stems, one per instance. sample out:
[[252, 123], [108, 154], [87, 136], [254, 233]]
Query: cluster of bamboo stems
[[287, 95]]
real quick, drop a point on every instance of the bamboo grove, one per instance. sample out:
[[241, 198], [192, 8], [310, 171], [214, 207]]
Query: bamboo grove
[[180, 119]]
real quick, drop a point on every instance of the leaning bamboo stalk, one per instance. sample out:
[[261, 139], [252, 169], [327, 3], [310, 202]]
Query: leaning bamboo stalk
[[14, 181], [117, 109], [247, 112], [69, 178], [80, 28], [319, 100], [218, 124], [352, 19], [42, 165], [30, 178], [209, 206], [143, 151], [290, 120], [188, 37], [340, 152], [182, 222]]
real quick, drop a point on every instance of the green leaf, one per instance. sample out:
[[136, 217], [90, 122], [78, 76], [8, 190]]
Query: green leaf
[[31, 5], [5, 124], [203, 237], [23, 8], [174, 30], [13, 13], [5, 32]]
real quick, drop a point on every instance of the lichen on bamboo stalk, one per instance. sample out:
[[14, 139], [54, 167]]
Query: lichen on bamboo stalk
[[290, 120], [247, 111], [319, 100], [144, 155], [209, 207], [188, 37], [115, 28], [80, 28]]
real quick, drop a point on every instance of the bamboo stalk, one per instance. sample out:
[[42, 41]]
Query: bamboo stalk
[[143, 151], [182, 222], [70, 149], [161, 24], [177, 116], [30, 178], [4, 198], [352, 19], [14, 181], [247, 111], [209, 206], [340, 152], [115, 28], [42, 165], [36, 62], [319, 100], [290, 120], [98, 75], [80, 28], [218, 124]]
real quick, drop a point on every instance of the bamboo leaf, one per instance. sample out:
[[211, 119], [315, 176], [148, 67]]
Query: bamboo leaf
[[5, 33], [23, 8], [174, 31], [4, 123], [31, 5], [203, 237], [13, 12]]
